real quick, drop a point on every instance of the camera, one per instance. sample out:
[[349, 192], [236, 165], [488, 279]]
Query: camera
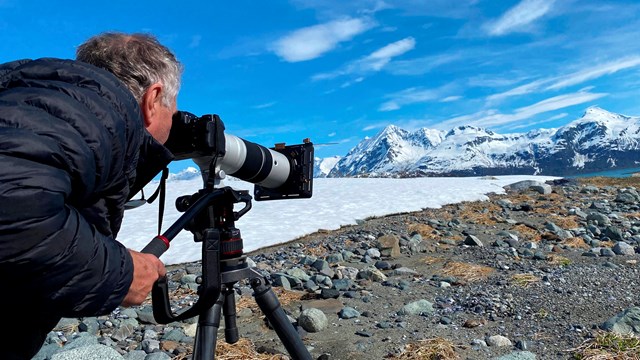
[[281, 172]]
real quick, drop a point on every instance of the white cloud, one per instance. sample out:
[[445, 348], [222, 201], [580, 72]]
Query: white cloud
[[451, 98], [519, 17], [519, 90], [575, 78], [265, 105], [374, 126], [530, 124], [354, 81], [595, 72], [381, 57], [314, 41], [430, 8], [422, 65], [415, 95], [493, 118], [373, 62], [558, 117], [389, 106]]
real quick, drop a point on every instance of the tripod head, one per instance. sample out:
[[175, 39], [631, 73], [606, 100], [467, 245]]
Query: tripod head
[[209, 215]]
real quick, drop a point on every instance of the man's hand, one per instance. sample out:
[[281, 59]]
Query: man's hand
[[146, 270]]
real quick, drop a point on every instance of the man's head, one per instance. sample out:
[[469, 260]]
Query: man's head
[[148, 69]]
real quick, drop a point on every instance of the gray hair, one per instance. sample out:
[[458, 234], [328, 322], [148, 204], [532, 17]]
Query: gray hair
[[138, 60]]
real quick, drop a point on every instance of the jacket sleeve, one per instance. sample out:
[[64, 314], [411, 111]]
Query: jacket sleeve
[[48, 249], [63, 181], [53, 252]]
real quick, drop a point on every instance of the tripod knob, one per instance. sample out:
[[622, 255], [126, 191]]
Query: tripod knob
[[231, 244], [183, 203]]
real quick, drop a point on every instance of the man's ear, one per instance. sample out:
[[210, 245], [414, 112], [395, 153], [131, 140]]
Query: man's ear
[[150, 102]]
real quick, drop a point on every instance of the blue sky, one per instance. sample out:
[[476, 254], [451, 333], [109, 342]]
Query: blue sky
[[337, 71]]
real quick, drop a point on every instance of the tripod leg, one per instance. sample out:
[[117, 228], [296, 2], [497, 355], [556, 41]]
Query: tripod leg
[[229, 312], [270, 306], [204, 346]]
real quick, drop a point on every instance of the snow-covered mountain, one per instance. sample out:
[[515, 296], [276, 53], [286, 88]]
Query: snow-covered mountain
[[186, 174], [599, 140], [322, 166]]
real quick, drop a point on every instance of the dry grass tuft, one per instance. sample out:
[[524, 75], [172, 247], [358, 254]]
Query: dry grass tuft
[[317, 251], [554, 259], [565, 222], [525, 279], [576, 243], [609, 346], [429, 349], [632, 216], [244, 349], [349, 244], [601, 181], [527, 233], [466, 272], [285, 297], [426, 231], [478, 212], [550, 204], [430, 260]]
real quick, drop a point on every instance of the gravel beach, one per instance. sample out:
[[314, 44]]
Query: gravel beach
[[537, 273]]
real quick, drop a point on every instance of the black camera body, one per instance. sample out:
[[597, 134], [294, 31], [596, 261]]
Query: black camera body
[[282, 172], [193, 137]]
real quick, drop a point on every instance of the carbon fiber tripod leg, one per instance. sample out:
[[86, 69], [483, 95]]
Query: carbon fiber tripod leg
[[270, 306]]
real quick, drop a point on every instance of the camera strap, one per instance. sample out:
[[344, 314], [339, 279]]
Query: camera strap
[[161, 191]]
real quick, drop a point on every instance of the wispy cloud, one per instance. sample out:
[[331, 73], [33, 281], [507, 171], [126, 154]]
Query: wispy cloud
[[529, 124], [377, 125], [501, 80], [351, 82], [422, 65], [595, 72], [564, 81], [265, 105], [381, 57], [519, 90], [519, 17], [195, 41], [451, 98], [373, 62], [431, 8], [254, 131], [415, 95], [493, 118], [314, 41], [333, 8]]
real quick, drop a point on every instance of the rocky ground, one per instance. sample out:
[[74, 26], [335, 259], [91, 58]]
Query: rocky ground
[[535, 273]]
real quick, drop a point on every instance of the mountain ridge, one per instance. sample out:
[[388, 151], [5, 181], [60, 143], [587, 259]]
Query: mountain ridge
[[599, 140]]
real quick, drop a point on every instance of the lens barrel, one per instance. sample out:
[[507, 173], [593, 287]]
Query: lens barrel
[[254, 163]]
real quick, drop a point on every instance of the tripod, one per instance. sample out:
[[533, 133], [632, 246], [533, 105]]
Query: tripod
[[210, 216]]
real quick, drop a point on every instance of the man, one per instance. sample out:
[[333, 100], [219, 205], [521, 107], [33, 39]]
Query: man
[[76, 142]]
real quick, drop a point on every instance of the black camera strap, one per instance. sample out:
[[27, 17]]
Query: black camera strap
[[161, 191]]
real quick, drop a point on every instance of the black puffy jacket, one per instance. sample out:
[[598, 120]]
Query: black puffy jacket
[[71, 137]]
